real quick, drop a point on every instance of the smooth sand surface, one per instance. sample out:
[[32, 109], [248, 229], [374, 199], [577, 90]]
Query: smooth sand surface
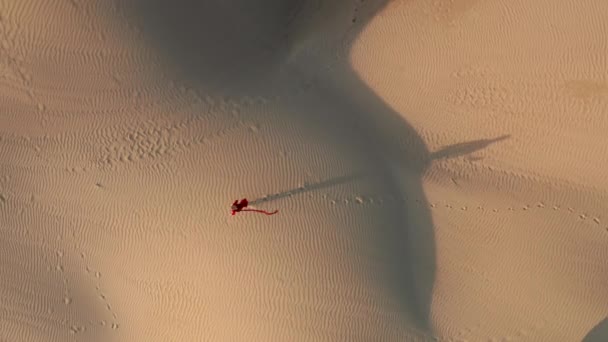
[[440, 170]]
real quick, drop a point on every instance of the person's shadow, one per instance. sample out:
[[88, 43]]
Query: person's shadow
[[235, 48], [451, 151]]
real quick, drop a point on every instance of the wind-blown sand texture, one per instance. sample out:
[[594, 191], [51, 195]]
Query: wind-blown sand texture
[[440, 167]]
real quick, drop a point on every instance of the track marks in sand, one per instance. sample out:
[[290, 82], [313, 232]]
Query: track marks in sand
[[482, 87], [482, 96], [153, 143], [68, 298], [12, 66], [471, 334], [102, 297], [580, 215], [448, 12], [362, 200], [148, 141], [43, 287]]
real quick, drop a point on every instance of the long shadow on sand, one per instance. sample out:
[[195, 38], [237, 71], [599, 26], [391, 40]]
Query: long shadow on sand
[[451, 151], [232, 48]]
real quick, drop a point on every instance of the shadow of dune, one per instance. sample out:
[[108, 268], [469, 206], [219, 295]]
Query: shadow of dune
[[405, 232], [229, 47], [599, 333]]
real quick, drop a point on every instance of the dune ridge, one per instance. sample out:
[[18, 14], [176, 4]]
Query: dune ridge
[[439, 170]]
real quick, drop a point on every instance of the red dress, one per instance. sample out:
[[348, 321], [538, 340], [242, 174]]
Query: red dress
[[238, 206]]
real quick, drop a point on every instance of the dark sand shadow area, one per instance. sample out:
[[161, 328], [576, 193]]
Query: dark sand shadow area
[[599, 333], [233, 47], [225, 47]]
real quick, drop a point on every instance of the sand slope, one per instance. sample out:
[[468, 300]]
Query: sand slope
[[439, 167]]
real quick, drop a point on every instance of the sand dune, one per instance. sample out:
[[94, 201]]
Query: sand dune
[[439, 168]]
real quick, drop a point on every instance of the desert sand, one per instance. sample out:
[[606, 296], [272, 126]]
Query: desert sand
[[440, 170]]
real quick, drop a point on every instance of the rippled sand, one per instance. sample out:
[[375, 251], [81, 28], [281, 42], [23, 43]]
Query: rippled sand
[[439, 167]]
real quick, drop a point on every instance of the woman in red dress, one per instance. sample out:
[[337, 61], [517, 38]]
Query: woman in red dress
[[240, 206]]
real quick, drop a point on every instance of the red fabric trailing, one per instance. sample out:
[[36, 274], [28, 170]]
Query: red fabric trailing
[[262, 211]]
